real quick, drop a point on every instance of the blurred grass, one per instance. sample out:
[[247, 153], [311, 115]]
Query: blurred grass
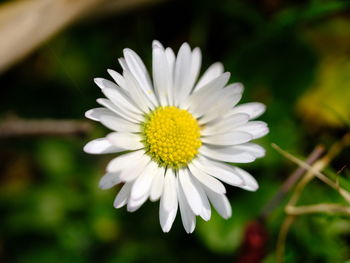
[[291, 55]]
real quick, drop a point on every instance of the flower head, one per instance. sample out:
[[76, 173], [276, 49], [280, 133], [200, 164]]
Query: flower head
[[179, 135]]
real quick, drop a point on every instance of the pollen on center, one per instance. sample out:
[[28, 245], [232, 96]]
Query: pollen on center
[[171, 136]]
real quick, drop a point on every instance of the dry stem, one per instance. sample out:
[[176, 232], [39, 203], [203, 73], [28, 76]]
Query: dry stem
[[314, 170], [319, 208], [19, 127]]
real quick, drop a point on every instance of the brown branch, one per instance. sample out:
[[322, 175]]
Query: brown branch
[[18, 128]]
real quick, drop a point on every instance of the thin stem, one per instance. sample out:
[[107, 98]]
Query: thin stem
[[313, 171], [282, 236], [319, 208], [19, 128], [303, 182], [319, 175], [290, 182]]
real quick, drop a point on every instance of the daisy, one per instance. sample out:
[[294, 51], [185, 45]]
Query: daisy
[[175, 135]]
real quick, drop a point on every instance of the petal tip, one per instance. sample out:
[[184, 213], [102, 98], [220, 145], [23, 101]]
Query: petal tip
[[156, 43], [89, 147]]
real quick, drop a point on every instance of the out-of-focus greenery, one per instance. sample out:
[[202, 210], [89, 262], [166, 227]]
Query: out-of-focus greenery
[[291, 55]]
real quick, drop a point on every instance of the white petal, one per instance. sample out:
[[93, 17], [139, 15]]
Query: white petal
[[105, 83], [128, 115], [117, 95], [227, 173], [116, 123], [161, 75], [196, 60], [126, 141], [118, 78], [169, 53], [143, 183], [134, 204], [256, 128], [225, 124], [168, 203], [133, 170], [226, 154], [123, 196], [166, 218], [109, 180], [206, 210], [207, 180], [221, 171], [168, 198], [249, 181], [96, 113], [136, 67], [156, 43], [118, 163], [198, 102], [191, 192], [252, 148], [229, 138], [187, 216], [112, 121], [211, 73], [139, 71], [182, 73], [101, 146], [157, 184], [254, 109], [123, 64], [228, 98], [220, 202], [235, 88], [136, 92]]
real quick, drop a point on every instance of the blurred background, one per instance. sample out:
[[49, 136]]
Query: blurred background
[[294, 56]]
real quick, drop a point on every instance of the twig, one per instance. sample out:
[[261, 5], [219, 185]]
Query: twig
[[282, 236], [319, 175], [313, 171], [19, 128], [303, 182], [337, 175], [290, 182], [319, 208]]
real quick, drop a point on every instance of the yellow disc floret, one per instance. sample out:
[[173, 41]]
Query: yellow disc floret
[[171, 136]]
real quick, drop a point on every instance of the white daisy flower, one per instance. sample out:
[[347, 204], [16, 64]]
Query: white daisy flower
[[176, 135]]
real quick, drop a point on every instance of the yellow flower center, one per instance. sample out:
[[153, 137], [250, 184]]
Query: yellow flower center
[[171, 136]]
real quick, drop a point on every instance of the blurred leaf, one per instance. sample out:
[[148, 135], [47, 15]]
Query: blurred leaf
[[309, 11], [327, 103]]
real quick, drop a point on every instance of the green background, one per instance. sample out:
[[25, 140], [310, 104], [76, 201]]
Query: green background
[[291, 55]]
